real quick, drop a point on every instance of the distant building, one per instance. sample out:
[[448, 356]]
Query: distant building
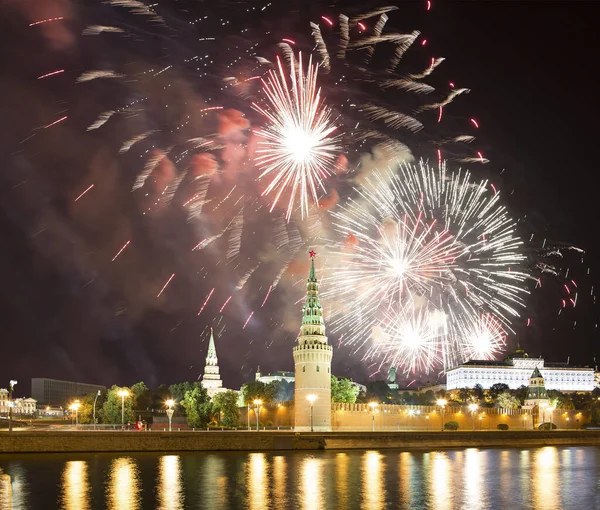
[[54, 392], [20, 405], [515, 371], [211, 380], [280, 375], [536, 392], [392, 379]]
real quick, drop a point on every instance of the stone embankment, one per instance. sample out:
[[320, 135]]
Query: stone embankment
[[92, 442]]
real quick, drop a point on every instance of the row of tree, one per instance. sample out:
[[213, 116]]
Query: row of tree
[[499, 395]]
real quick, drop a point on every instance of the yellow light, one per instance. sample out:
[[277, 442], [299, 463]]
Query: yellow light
[[473, 407], [170, 403], [123, 393], [311, 398], [257, 402], [373, 405], [442, 402], [75, 405]]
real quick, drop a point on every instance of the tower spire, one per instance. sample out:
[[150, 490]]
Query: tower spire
[[312, 329], [211, 355]]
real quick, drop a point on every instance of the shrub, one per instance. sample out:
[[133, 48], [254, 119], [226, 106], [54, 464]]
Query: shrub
[[547, 426], [502, 426], [451, 425]]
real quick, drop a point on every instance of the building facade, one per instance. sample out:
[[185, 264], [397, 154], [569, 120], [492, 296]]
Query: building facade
[[21, 406], [312, 362], [516, 371], [211, 380], [280, 375], [54, 392]]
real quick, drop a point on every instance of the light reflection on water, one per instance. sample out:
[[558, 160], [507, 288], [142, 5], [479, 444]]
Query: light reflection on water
[[123, 486], [549, 478], [75, 486]]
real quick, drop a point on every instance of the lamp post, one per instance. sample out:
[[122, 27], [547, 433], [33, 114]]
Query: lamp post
[[311, 399], [123, 393], [473, 408], [248, 415], [427, 421], [442, 403], [95, 400], [257, 403], [75, 407], [524, 421], [170, 403], [12, 383], [373, 405]]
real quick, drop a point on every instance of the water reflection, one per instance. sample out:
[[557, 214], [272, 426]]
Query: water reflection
[[75, 486], [5, 491], [170, 492], [372, 481], [311, 483], [546, 483], [258, 483], [123, 489], [279, 482], [441, 492], [472, 477], [341, 476]]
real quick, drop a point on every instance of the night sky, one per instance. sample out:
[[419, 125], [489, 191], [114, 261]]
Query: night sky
[[70, 313]]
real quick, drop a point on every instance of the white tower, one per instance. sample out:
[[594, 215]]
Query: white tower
[[211, 380], [312, 360]]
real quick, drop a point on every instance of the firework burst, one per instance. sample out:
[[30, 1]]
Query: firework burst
[[299, 148], [425, 241]]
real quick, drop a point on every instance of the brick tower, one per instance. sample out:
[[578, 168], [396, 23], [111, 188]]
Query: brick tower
[[312, 360]]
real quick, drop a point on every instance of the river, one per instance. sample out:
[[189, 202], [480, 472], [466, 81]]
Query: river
[[539, 478]]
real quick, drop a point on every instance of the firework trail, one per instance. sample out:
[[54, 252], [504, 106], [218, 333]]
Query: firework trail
[[425, 241]]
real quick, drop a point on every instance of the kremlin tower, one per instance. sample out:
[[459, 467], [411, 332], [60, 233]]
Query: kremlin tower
[[312, 360], [211, 380]]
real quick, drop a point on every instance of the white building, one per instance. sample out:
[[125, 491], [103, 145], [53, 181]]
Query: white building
[[20, 405], [211, 380], [516, 371], [280, 375]]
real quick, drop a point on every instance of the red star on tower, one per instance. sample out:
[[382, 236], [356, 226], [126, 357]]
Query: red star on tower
[[312, 254]]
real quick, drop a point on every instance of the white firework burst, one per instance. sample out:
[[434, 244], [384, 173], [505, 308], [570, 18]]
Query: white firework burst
[[298, 149]]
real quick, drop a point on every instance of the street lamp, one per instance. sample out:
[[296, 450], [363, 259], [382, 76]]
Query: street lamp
[[473, 408], [95, 400], [373, 405], [123, 393], [551, 409], [442, 403], [543, 406], [170, 403], [524, 421], [75, 407], [257, 403], [12, 383], [311, 399]]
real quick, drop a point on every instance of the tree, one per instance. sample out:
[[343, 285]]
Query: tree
[[198, 407], [111, 409], [561, 400], [142, 396], [342, 390], [427, 398], [496, 389], [177, 393], [478, 392], [282, 391], [507, 400], [225, 403], [160, 395], [258, 390], [521, 393], [379, 391], [86, 409]]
